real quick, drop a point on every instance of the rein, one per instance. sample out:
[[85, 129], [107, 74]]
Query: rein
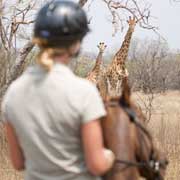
[[133, 118], [152, 164]]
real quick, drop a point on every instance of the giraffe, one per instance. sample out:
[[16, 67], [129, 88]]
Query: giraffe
[[116, 71], [93, 76]]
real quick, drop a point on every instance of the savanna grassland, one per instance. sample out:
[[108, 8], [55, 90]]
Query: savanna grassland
[[165, 128], [164, 125]]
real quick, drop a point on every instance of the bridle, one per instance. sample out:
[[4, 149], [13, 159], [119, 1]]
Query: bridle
[[152, 164]]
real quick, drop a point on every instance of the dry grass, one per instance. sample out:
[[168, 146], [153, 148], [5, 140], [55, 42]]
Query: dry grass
[[6, 170], [164, 126]]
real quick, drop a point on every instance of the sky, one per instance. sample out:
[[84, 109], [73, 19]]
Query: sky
[[167, 18]]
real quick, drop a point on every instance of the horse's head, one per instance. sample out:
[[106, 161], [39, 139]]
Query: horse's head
[[126, 135]]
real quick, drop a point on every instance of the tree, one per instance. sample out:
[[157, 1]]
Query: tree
[[122, 9], [17, 15], [149, 71], [14, 20]]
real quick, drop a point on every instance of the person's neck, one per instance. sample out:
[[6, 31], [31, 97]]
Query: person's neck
[[64, 59]]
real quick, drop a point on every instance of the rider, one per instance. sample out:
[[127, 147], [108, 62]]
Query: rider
[[52, 117]]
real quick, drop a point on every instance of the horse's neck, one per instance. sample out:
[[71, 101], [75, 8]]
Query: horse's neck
[[118, 134]]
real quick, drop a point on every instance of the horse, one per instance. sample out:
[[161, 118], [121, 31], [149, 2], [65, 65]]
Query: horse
[[125, 134]]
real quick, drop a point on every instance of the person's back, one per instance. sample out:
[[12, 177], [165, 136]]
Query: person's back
[[51, 105], [50, 115]]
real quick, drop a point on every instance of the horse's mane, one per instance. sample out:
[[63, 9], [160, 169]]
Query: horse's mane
[[125, 99]]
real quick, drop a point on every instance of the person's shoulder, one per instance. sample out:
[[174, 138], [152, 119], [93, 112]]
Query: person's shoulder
[[85, 84], [13, 87], [9, 95]]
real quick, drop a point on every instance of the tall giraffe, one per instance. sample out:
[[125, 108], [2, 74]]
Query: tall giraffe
[[93, 76], [116, 71]]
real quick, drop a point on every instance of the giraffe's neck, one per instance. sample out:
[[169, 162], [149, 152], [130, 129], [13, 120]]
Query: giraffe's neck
[[98, 61], [122, 54]]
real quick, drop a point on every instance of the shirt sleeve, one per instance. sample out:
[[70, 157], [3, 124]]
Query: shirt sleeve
[[93, 107], [5, 106], [4, 109]]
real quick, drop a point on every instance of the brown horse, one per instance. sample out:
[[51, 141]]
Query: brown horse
[[126, 135]]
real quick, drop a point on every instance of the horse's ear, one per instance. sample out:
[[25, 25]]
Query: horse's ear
[[126, 94]]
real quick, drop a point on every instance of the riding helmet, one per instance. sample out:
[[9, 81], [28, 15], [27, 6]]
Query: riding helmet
[[60, 23]]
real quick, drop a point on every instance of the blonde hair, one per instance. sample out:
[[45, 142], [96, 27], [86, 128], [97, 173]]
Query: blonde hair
[[45, 60], [47, 54]]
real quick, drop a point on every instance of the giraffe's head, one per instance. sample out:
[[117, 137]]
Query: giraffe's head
[[132, 22], [102, 46]]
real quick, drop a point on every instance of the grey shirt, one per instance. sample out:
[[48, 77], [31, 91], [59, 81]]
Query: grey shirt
[[47, 111]]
